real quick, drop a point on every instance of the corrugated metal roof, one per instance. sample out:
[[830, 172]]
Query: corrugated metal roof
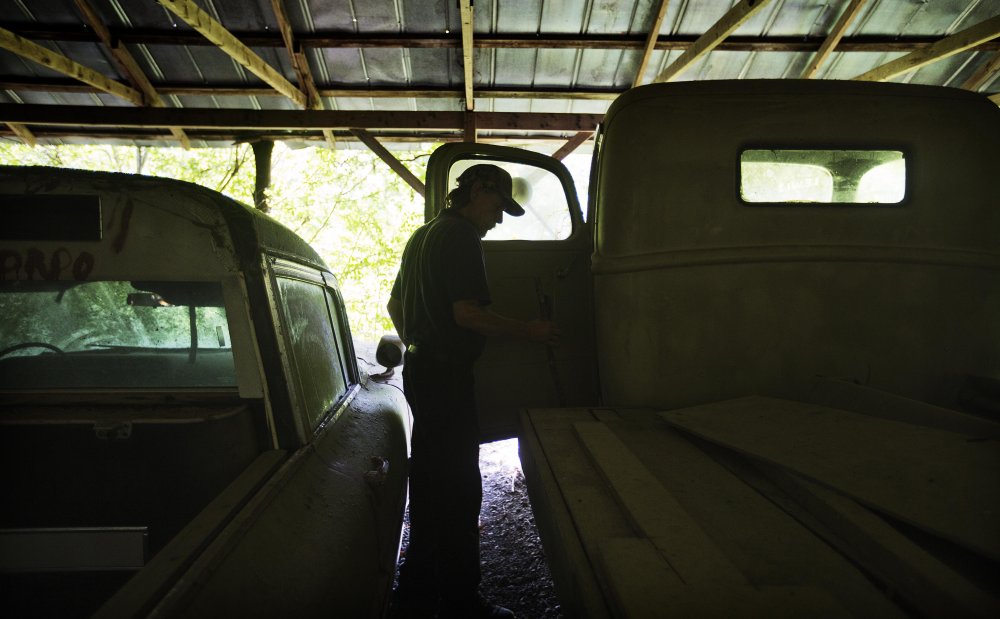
[[542, 57]]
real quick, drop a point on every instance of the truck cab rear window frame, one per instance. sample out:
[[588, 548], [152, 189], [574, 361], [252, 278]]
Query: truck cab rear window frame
[[801, 176]]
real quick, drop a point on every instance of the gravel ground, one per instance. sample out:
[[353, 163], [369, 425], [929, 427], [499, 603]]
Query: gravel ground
[[515, 573]]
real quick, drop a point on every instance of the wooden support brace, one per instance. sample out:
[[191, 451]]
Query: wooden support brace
[[24, 133], [983, 74], [712, 37], [948, 46], [834, 37], [572, 144], [215, 32], [391, 161], [467, 52], [57, 62], [470, 127], [654, 33]]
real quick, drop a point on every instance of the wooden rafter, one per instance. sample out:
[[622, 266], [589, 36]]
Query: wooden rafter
[[832, 39], [983, 74], [301, 65], [485, 40], [127, 64], [654, 34], [995, 98], [215, 32], [572, 144], [712, 37], [401, 136], [948, 46], [57, 62], [23, 133], [470, 127], [467, 26], [262, 120], [389, 159], [198, 90]]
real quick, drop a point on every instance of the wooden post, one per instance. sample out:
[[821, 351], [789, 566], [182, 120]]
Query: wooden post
[[262, 160]]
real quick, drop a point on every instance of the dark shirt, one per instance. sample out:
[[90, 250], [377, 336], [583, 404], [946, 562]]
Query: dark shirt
[[442, 263]]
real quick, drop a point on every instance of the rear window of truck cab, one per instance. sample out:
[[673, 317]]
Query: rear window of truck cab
[[822, 176], [114, 335]]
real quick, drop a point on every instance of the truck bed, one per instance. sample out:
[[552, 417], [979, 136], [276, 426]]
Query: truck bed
[[734, 509]]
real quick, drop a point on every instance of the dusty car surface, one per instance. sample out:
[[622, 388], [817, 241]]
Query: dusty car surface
[[778, 385], [184, 428]]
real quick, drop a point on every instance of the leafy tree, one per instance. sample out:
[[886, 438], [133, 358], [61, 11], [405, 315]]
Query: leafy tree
[[347, 204]]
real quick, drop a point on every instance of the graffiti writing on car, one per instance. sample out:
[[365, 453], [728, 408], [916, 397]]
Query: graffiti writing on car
[[35, 264]]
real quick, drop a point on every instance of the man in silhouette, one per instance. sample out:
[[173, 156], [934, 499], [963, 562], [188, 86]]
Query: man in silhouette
[[439, 306]]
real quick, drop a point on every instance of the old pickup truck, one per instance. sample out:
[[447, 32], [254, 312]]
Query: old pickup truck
[[778, 389], [184, 429]]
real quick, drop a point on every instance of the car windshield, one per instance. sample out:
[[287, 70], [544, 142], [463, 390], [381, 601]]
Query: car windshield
[[114, 335]]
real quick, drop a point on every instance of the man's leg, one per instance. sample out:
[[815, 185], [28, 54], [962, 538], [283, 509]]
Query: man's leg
[[417, 591]]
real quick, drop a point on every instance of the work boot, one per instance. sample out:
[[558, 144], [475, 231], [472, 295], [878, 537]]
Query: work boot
[[476, 608]]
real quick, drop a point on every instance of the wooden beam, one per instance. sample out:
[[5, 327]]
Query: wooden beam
[[983, 74], [262, 120], [995, 98], [301, 65], [390, 160], [104, 135], [470, 127], [712, 37], [23, 132], [435, 40], [215, 32], [948, 46], [834, 37], [57, 62], [198, 90], [910, 571], [298, 58], [654, 34], [467, 27], [127, 64], [572, 144]]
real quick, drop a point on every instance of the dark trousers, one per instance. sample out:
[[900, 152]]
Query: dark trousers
[[446, 492]]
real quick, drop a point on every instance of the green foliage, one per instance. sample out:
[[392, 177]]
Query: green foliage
[[347, 204], [357, 214]]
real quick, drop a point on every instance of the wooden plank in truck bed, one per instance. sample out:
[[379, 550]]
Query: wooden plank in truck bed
[[607, 502], [942, 482]]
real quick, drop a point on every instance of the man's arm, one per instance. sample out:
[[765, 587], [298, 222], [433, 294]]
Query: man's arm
[[473, 316], [395, 307]]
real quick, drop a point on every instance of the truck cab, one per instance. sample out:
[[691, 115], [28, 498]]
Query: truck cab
[[182, 417], [778, 390]]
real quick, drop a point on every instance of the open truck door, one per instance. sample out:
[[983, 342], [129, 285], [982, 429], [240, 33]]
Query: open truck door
[[538, 266]]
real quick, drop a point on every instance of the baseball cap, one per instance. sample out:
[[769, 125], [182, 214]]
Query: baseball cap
[[497, 179]]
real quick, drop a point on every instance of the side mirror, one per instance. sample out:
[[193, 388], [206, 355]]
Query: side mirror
[[390, 351]]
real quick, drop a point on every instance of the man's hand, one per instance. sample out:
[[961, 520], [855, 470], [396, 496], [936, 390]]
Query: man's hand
[[544, 332], [471, 315]]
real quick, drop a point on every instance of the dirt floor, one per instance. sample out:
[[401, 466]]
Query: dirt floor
[[515, 573]]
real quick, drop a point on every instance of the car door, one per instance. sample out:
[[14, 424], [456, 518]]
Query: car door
[[538, 266]]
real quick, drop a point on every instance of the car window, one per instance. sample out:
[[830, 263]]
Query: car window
[[114, 334], [546, 210], [813, 176], [316, 360]]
